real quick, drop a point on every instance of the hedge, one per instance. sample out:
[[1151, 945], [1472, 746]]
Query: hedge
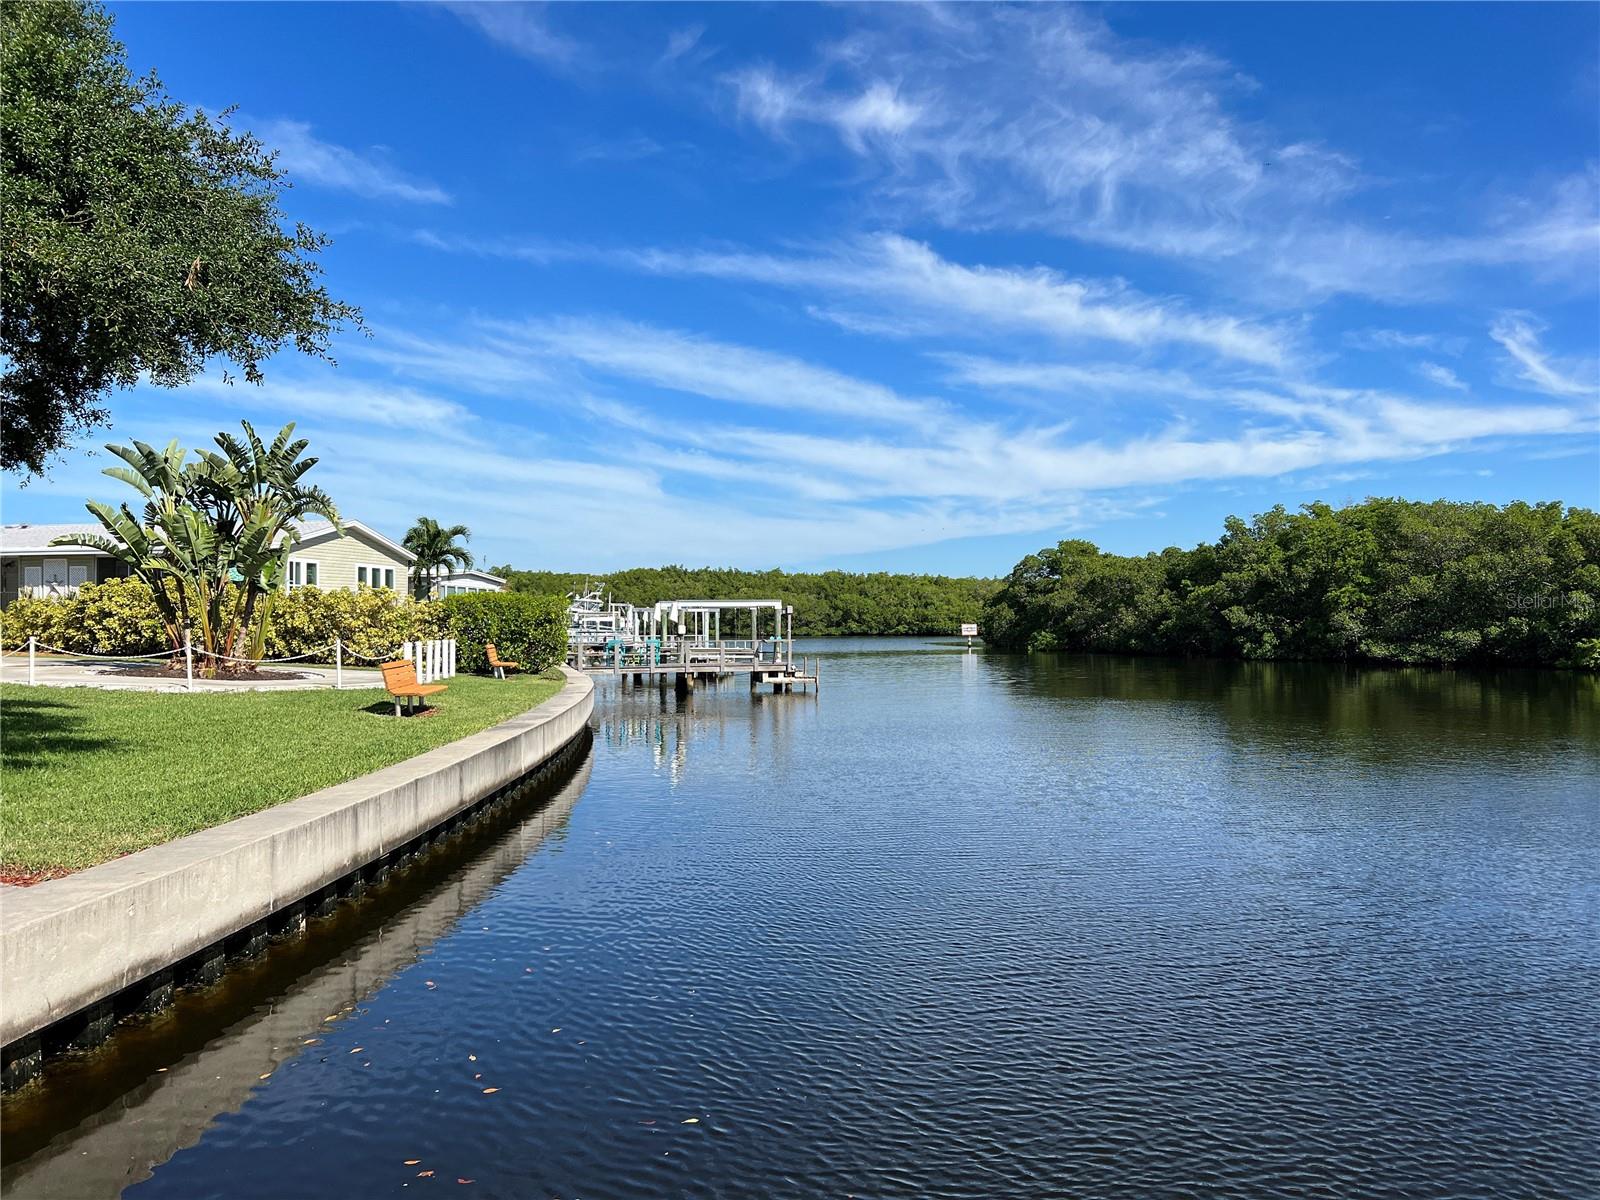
[[370, 621], [115, 617], [530, 630], [119, 617]]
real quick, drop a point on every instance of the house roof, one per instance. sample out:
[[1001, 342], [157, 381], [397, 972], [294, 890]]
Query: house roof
[[483, 575], [312, 532], [35, 539]]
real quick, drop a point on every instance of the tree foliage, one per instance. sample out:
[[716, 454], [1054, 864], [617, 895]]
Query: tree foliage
[[825, 603], [140, 238], [1382, 581], [437, 552]]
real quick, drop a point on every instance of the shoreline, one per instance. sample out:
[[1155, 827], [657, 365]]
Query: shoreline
[[82, 951]]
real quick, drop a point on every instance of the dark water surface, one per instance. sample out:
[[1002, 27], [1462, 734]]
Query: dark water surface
[[964, 925]]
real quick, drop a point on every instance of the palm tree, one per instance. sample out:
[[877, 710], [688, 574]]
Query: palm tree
[[436, 550]]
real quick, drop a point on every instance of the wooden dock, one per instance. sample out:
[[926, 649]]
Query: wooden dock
[[690, 666]]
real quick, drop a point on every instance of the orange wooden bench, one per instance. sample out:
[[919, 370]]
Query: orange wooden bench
[[500, 665], [400, 677]]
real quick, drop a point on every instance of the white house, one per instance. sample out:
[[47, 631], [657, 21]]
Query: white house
[[324, 557], [29, 563], [457, 582]]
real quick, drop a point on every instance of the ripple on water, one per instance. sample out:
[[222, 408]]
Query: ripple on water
[[978, 927]]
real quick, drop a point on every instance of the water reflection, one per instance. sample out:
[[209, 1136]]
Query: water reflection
[[710, 722], [83, 1132]]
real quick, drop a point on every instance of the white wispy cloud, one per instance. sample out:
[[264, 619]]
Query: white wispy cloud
[[357, 401], [1401, 339], [713, 369], [906, 273], [309, 159], [1518, 334], [520, 27], [1442, 375], [1042, 118], [876, 111]]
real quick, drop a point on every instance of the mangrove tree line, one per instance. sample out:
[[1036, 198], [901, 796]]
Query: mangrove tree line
[[825, 602], [1385, 580]]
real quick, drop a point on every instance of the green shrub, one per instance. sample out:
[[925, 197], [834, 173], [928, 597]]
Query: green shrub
[[531, 630], [32, 617], [370, 622], [120, 617], [115, 617]]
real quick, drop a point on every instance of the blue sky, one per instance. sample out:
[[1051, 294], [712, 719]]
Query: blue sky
[[910, 286]]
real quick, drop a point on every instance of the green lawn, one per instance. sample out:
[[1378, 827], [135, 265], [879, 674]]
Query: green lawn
[[89, 774]]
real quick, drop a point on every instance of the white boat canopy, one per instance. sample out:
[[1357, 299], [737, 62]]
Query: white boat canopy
[[672, 610]]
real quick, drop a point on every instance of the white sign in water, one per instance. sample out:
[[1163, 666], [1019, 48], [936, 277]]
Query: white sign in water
[[969, 630]]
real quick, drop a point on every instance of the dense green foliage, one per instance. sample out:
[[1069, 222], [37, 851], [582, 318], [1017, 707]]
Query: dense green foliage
[[91, 774], [526, 629], [141, 239], [1381, 581], [825, 603], [118, 616], [371, 622]]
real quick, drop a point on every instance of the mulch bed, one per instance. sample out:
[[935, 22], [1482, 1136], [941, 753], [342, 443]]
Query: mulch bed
[[17, 878]]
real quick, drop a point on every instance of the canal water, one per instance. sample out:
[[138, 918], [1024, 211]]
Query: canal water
[[964, 925]]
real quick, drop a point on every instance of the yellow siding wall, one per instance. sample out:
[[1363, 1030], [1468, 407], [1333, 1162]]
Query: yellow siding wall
[[338, 557]]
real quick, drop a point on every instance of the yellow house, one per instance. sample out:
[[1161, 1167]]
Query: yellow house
[[324, 557], [360, 556]]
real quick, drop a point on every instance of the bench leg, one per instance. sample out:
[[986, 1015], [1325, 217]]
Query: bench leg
[[397, 706]]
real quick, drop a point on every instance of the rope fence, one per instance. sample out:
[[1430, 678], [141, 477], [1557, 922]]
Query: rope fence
[[433, 659]]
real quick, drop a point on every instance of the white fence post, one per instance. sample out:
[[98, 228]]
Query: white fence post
[[188, 661], [32, 642], [422, 676], [338, 664], [450, 656]]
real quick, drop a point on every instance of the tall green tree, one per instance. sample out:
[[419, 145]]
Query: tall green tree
[[140, 238], [437, 552], [1390, 581], [213, 534]]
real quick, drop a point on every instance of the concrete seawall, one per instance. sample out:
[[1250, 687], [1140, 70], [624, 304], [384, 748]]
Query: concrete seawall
[[118, 1143], [72, 950]]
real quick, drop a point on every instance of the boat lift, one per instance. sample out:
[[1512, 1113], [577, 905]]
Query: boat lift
[[684, 639]]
